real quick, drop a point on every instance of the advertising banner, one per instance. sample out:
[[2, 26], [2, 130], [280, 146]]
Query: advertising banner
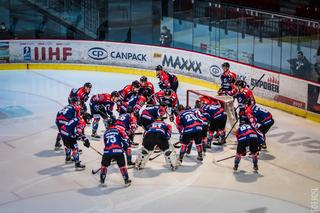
[[273, 86], [313, 98]]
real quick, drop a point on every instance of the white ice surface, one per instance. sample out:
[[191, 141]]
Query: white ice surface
[[34, 178]]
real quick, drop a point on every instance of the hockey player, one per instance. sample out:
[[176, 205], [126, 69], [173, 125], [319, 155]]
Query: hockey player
[[246, 136], [166, 80], [128, 122], [115, 142], [217, 119], [128, 91], [146, 87], [190, 128], [83, 94], [150, 113], [157, 134], [135, 102], [66, 114], [168, 98], [202, 116], [228, 79], [243, 95], [70, 133], [261, 120], [102, 105]]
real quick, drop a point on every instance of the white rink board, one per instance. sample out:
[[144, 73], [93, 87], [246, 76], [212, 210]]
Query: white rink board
[[273, 86]]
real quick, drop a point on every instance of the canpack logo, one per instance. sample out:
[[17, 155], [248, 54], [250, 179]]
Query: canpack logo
[[215, 71], [129, 56], [97, 53], [271, 84], [181, 63]]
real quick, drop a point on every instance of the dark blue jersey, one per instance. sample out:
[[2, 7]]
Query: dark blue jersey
[[152, 112], [103, 100], [159, 127], [115, 140], [66, 114], [128, 122], [188, 122], [73, 129], [256, 114], [246, 132], [212, 112]]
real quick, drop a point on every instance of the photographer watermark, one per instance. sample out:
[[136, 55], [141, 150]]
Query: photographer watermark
[[315, 201]]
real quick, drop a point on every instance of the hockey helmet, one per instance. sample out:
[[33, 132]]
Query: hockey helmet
[[226, 64], [205, 100], [146, 93], [129, 109], [88, 85], [241, 83], [86, 117], [136, 84], [74, 100], [111, 121], [115, 94], [159, 67], [143, 79]]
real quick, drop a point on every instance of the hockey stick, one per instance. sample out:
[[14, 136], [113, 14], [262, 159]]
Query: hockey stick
[[96, 150], [225, 158], [238, 107], [150, 159], [95, 171]]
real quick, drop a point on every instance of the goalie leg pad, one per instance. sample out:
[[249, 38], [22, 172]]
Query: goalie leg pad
[[171, 158], [142, 158]]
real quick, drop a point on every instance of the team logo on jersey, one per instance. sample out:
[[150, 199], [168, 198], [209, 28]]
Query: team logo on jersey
[[27, 53], [181, 63], [97, 53], [215, 71]]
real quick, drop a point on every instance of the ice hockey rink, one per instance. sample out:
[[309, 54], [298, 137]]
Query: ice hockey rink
[[35, 178]]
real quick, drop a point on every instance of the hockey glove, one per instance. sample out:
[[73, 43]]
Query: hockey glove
[[86, 143]]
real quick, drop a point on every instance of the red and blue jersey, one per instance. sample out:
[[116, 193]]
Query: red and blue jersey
[[104, 100], [171, 101], [245, 94], [200, 115], [66, 114], [80, 93], [256, 114], [74, 128], [115, 140], [127, 92], [128, 122], [146, 87], [246, 132], [212, 112], [136, 102], [159, 127], [227, 80], [188, 122], [152, 112]]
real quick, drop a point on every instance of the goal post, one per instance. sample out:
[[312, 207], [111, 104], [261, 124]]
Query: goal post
[[225, 101]]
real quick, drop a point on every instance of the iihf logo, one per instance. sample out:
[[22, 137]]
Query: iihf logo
[[27, 53]]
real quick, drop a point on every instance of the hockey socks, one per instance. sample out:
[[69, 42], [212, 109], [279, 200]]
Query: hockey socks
[[103, 174], [124, 172]]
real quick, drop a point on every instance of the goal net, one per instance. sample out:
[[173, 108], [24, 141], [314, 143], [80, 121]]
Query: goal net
[[225, 101]]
